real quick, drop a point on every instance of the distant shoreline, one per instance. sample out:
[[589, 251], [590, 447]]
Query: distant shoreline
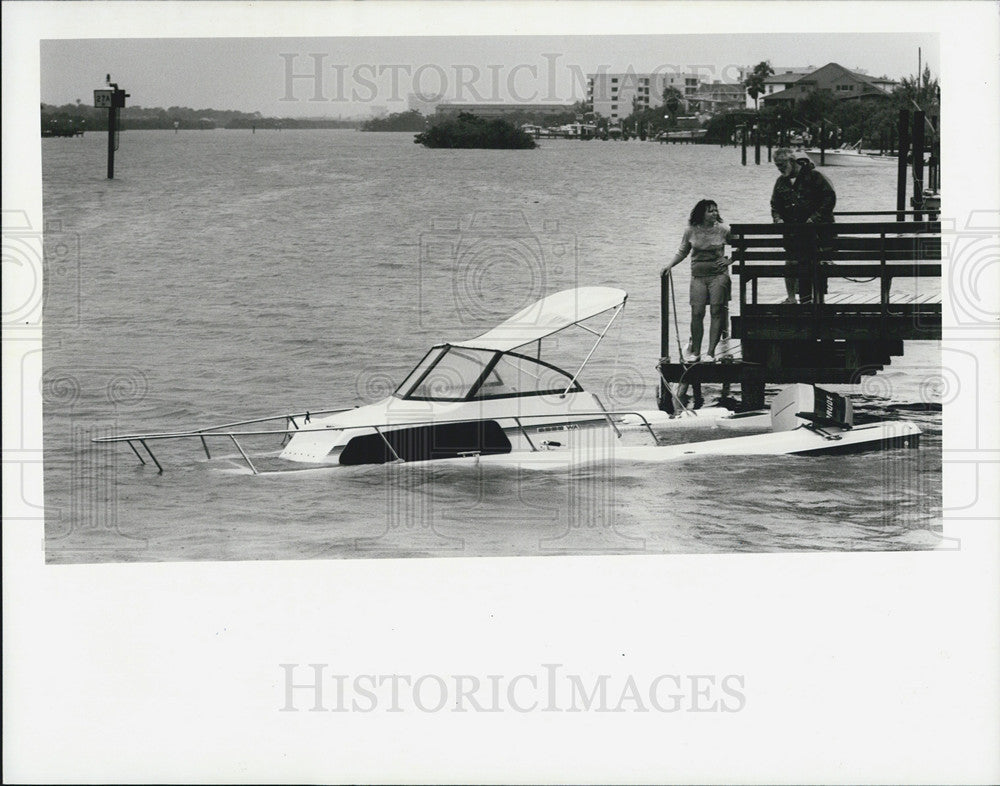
[[135, 118], [220, 128]]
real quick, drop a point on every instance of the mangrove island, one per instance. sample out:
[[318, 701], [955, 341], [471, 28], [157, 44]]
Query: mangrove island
[[469, 131]]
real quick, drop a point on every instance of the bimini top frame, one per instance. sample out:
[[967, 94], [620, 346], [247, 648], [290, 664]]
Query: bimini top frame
[[553, 314], [548, 316]]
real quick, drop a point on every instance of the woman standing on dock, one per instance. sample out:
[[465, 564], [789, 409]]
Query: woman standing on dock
[[705, 239]]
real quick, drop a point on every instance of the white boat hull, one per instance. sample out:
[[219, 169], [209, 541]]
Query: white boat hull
[[801, 441], [322, 440], [849, 158], [535, 435]]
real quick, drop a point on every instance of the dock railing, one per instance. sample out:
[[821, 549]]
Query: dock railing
[[861, 251], [835, 339]]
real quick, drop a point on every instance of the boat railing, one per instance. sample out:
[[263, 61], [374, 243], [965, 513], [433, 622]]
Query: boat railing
[[226, 431]]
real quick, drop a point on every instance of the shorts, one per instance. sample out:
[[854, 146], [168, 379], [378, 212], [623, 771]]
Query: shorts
[[714, 290]]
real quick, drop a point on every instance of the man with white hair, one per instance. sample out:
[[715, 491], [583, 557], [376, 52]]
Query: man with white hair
[[802, 195]]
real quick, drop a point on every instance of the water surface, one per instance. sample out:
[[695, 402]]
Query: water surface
[[225, 275]]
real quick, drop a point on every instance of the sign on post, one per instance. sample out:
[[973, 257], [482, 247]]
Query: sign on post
[[112, 100]]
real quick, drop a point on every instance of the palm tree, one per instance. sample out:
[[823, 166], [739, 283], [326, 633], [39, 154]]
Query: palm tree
[[672, 100], [922, 93], [755, 81]]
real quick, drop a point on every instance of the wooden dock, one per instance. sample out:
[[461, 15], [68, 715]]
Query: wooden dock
[[884, 280]]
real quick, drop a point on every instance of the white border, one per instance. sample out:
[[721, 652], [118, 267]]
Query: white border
[[859, 668]]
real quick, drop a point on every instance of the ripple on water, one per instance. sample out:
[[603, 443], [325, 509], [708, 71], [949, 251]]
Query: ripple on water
[[284, 277]]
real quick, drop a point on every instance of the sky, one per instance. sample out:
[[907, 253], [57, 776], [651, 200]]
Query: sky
[[360, 75]]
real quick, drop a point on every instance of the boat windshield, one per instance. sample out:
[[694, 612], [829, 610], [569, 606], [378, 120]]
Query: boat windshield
[[462, 374], [422, 368]]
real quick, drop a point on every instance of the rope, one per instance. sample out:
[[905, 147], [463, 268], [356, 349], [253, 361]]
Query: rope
[[680, 350], [673, 311], [677, 330], [677, 335]]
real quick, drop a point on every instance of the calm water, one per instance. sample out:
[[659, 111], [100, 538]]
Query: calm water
[[227, 275]]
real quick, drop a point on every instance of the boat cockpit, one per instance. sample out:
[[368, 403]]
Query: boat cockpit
[[452, 373]]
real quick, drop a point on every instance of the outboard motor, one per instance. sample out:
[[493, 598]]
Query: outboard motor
[[801, 404]]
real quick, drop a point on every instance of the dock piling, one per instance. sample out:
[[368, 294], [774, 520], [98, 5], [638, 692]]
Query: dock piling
[[918, 164], [903, 136]]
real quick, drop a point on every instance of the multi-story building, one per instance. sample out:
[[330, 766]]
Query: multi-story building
[[785, 78], [843, 84], [711, 99], [616, 96]]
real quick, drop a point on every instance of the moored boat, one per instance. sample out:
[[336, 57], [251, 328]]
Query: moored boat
[[847, 157], [493, 400], [693, 133]]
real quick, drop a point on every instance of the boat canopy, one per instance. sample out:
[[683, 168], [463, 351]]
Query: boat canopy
[[547, 316], [487, 367]]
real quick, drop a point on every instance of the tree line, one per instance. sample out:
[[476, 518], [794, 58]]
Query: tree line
[[80, 115], [411, 120]]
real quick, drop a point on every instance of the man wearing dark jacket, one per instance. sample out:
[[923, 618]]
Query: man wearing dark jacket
[[803, 196]]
